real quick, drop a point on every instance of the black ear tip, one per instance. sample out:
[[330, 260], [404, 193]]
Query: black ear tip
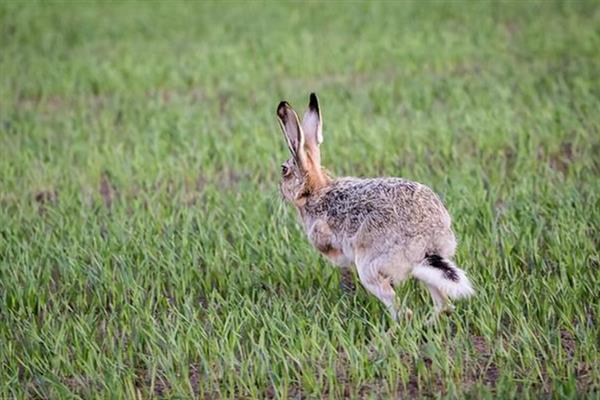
[[281, 108], [313, 102]]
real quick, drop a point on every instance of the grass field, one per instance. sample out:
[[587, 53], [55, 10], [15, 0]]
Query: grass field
[[144, 247]]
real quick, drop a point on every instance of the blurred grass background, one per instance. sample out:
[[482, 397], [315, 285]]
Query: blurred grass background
[[144, 247]]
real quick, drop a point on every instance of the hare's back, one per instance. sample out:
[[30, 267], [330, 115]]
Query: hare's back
[[390, 204]]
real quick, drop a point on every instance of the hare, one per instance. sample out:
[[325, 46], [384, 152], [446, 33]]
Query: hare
[[388, 228]]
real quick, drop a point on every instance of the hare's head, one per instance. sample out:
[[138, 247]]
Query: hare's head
[[302, 174]]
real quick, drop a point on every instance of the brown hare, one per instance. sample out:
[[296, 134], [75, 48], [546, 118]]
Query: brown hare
[[389, 228]]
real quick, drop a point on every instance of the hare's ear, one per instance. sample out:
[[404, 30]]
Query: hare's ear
[[312, 126], [292, 131]]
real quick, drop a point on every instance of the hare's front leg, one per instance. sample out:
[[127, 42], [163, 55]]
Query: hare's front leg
[[322, 238], [375, 278]]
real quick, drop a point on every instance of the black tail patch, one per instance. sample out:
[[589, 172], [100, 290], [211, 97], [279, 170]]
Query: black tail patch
[[438, 262]]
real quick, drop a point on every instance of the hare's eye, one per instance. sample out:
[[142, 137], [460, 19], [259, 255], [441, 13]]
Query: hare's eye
[[284, 170]]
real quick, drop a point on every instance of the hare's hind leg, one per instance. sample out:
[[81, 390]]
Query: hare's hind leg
[[440, 301], [375, 277]]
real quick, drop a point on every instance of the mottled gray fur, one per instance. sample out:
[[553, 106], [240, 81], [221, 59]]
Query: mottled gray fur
[[383, 213]]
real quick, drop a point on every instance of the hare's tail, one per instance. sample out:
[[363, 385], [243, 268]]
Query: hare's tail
[[442, 274]]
